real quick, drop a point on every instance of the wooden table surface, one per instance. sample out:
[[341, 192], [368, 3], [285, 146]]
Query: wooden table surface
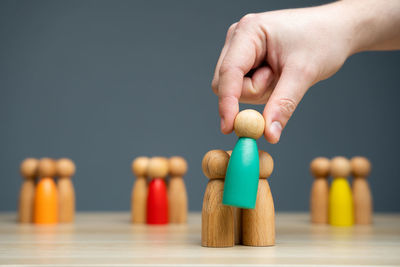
[[106, 239]]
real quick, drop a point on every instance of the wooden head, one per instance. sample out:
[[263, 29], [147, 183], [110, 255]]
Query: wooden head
[[249, 123], [65, 167], [360, 167], [266, 164], [177, 166], [158, 167], [47, 167], [139, 166], [214, 164], [320, 167], [29, 168], [340, 167]]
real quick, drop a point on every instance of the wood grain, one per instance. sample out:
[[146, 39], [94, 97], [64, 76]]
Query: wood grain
[[109, 239]]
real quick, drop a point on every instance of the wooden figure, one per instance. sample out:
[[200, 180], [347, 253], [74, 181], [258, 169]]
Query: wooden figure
[[242, 175], [319, 168], [340, 196], [258, 225], [66, 193], [217, 220], [157, 199], [46, 196], [361, 168], [177, 196], [139, 190], [25, 206]]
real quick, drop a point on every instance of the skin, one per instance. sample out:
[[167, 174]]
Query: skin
[[273, 58]]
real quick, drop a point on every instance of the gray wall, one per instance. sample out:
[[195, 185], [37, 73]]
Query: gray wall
[[102, 82]]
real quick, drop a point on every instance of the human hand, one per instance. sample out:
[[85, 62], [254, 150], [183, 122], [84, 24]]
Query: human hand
[[273, 58]]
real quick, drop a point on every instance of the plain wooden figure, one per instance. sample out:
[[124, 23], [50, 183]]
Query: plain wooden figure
[[361, 168], [319, 197], [157, 197], [66, 193], [46, 195], [26, 196], [258, 225], [139, 190], [340, 195], [217, 220], [177, 196], [237, 212]]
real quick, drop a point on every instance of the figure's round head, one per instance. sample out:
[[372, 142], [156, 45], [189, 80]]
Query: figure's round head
[[140, 165], [29, 168], [65, 167], [215, 163], [158, 167], [360, 166], [320, 167], [249, 123], [266, 164], [177, 166], [47, 167], [340, 167]]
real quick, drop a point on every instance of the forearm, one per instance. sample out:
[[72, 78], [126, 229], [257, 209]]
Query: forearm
[[375, 24]]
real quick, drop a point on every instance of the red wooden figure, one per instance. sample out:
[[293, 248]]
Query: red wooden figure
[[157, 202], [157, 197]]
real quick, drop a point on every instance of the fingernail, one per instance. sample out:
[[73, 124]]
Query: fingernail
[[222, 124], [276, 129]]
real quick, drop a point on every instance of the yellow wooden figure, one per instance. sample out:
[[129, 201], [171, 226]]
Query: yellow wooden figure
[[340, 195]]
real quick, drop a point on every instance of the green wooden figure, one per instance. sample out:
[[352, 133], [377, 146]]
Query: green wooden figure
[[242, 175]]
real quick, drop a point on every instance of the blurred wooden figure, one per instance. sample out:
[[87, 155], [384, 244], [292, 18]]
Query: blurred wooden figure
[[258, 224], [66, 193], [177, 196], [46, 196], [157, 198], [340, 195], [26, 196], [217, 220], [139, 190], [319, 168], [361, 168]]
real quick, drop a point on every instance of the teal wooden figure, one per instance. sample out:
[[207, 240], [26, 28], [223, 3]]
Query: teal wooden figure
[[242, 175]]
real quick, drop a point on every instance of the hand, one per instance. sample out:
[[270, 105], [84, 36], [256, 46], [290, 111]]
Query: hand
[[273, 58]]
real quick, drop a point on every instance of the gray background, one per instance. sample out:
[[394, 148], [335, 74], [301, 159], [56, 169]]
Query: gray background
[[102, 82]]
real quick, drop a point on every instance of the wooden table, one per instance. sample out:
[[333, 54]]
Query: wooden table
[[105, 239]]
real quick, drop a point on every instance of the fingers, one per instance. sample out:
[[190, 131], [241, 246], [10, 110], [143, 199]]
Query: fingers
[[257, 88], [290, 89], [241, 56], [214, 84]]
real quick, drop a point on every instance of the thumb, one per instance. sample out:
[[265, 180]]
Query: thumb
[[290, 89]]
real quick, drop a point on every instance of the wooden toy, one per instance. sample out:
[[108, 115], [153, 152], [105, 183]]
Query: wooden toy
[[258, 225], [26, 196], [319, 168], [157, 199], [139, 190], [340, 195], [66, 193], [243, 169], [217, 220], [361, 168], [46, 196], [177, 196]]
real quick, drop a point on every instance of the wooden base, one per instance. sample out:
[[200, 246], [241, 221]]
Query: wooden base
[[106, 239]]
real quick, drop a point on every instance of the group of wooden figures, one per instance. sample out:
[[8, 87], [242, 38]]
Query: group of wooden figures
[[154, 201], [41, 199], [341, 204], [225, 226]]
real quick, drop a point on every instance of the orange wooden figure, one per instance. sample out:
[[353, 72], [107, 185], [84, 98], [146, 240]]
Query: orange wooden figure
[[46, 196]]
